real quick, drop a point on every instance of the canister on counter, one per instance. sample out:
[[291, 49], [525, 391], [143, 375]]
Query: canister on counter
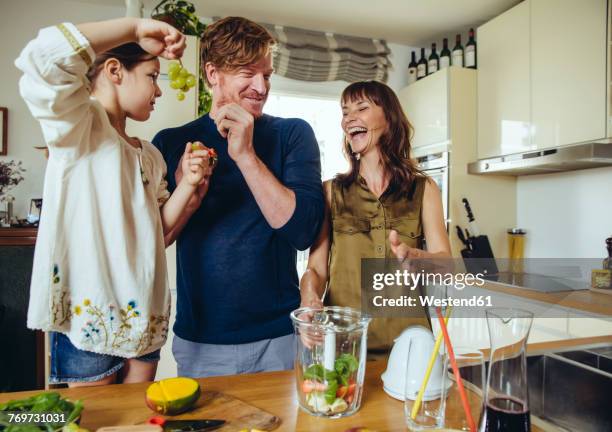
[[516, 249]]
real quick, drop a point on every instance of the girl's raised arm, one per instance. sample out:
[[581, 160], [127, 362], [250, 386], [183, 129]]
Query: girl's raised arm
[[55, 64]]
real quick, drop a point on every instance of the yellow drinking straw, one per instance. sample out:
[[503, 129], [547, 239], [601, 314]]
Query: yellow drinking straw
[[432, 360]]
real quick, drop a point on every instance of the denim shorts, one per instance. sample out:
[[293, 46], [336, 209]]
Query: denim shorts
[[70, 364]]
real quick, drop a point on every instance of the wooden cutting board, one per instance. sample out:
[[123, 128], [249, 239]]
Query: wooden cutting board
[[237, 414], [122, 405]]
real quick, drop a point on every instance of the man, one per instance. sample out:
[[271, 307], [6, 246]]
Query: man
[[236, 253]]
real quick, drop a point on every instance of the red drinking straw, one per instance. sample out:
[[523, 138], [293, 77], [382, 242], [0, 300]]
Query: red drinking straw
[[453, 361]]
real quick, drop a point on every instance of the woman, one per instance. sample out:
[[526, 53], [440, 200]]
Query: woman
[[382, 207]]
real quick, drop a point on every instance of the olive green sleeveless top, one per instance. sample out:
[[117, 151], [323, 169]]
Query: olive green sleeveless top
[[361, 223]]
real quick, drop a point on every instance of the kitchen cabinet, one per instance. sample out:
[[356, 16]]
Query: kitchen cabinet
[[542, 78], [568, 71], [442, 109], [425, 103], [504, 84], [584, 326], [22, 362]]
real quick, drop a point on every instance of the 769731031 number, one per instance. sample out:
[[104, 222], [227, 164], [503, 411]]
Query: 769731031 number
[[38, 418]]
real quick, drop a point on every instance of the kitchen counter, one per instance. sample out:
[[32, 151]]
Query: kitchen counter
[[582, 300], [272, 391]]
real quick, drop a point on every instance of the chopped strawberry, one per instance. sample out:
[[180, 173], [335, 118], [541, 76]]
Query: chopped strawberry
[[309, 386]]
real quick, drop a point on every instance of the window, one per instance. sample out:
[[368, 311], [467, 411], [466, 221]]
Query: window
[[324, 116]]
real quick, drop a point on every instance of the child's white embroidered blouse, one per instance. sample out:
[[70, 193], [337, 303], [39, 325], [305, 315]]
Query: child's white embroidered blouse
[[99, 271]]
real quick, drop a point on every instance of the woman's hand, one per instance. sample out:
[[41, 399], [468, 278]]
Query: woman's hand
[[160, 39], [401, 250], [416, 260], [310, 298]]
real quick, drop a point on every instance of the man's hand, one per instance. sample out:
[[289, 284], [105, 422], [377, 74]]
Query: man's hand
[[236, 124], [160, 39]]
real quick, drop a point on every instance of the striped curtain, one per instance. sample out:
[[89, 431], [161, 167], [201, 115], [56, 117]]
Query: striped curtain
[[308, 55]]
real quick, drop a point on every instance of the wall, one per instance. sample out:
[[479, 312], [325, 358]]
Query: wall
[[566, 215]]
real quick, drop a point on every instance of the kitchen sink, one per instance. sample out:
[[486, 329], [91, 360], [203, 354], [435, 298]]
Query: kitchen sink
[[571, 389]]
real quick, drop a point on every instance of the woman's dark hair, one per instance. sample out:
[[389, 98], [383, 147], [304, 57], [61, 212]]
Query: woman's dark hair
[[394, 144], [129, 55]]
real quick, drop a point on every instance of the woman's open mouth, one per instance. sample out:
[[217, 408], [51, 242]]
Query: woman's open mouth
[[357, 132]]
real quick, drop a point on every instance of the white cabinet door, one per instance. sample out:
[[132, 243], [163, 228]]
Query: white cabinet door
[[169, 111], [503, 84], [568, 71], [425, 103]]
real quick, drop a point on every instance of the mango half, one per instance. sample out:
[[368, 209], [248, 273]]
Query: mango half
[[173, 395]]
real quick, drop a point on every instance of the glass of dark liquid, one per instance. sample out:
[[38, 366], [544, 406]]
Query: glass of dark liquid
[[506, 405]]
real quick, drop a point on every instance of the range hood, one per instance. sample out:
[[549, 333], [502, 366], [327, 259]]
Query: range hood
[[574, 157]]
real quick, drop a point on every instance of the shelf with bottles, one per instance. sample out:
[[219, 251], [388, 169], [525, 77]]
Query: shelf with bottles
[[458, 56]]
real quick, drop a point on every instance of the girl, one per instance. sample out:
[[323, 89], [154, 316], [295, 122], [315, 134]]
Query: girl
[[99, 280], [382, 207]]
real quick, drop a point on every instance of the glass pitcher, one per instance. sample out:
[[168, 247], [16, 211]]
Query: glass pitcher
[[330, 360], [506, 404]]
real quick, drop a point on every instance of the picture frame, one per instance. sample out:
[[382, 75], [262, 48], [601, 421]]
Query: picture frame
[[3, 131]]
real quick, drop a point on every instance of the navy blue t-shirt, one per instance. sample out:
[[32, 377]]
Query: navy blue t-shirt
[[236, 276]]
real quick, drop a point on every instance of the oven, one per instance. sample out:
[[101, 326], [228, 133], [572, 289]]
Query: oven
[[436, 167]]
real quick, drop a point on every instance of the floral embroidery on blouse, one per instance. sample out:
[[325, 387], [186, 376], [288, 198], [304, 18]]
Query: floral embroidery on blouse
[[113, 328], [60, 310]]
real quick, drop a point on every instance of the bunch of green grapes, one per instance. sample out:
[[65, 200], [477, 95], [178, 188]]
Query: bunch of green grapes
[[180, 79]]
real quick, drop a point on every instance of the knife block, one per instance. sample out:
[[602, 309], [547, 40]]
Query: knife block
[[479, 259]]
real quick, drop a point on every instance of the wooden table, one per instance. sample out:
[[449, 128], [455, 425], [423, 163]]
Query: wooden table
[[272, 391]]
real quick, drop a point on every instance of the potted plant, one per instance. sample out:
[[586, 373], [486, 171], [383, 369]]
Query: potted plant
[[180, 14]]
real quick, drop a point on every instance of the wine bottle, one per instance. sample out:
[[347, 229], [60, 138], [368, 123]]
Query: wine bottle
[[422, 66], [457, 55], [445, 55], [412, 69], [470, 51], [434, 61]]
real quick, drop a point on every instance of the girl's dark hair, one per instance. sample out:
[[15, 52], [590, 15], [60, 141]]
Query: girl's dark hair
[[394, 144], [129, 55]]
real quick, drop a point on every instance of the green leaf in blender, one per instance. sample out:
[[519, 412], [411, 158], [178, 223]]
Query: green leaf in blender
[[330, 393]]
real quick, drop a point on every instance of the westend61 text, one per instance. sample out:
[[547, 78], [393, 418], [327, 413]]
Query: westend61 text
[[431, 301]]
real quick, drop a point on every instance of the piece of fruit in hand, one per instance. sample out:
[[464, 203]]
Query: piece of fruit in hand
[[213, 157]]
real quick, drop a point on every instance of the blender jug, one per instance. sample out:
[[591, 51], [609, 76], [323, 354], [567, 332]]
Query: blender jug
[[330, 360]]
